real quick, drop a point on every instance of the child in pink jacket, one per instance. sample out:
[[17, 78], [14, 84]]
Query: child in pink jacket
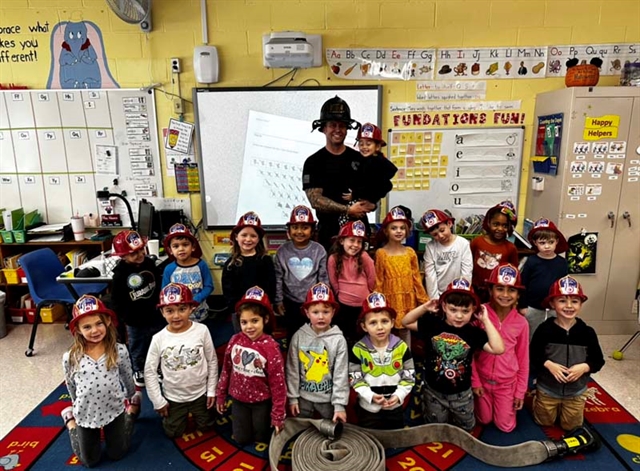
[[499, 382]]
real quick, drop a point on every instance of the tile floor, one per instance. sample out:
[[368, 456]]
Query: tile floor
[[25, 382]]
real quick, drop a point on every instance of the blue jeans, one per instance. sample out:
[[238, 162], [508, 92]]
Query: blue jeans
[[139, 339]]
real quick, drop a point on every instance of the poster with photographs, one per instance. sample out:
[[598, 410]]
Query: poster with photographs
[[595, 167], [548, 140]]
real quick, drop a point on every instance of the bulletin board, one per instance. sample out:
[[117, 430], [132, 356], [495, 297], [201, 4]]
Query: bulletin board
[[253, 143], [59, 146], [465, 171]]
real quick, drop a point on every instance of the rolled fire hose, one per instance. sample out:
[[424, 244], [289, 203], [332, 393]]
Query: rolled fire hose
[[325, 445]]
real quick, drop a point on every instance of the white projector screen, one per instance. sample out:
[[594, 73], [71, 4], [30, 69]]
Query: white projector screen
[[253, 143]]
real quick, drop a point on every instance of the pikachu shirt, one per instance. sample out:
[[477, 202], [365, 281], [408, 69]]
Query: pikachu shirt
[[318, 367]]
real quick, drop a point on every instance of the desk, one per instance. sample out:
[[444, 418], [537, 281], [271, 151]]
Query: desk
[[14, 291], [97, 263]]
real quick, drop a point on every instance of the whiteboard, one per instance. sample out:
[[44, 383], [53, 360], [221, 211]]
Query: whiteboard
[[253, 143], [466, 171], [57, 147]]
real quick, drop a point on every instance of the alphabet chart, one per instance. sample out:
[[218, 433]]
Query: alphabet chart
[[463, 170]]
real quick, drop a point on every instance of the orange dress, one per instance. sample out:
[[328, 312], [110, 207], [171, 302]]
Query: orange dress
[[398, 278]]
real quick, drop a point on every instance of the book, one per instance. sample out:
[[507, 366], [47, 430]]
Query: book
[[519, 241]]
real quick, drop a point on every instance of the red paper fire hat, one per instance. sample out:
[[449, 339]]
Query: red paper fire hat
[[371, 131], [176, 293], [127, 242], [397, 214], [376, 302], [433, 217], [460, 285], [180, 230], [319, 293], [249, 219], [567, 286], [255, 295], [353, 229], [505, 275], [508, 209], [544, 224], [301, 215], [89, 305]]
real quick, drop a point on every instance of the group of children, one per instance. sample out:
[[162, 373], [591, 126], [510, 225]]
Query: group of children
[[348, 321]]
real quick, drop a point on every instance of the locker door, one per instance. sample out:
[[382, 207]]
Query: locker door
[[625, 258], [591, 211]]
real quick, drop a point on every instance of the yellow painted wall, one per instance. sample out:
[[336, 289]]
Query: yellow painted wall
[[236, 28]]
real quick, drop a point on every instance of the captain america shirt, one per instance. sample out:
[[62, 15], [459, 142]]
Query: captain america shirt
[[449, 353]]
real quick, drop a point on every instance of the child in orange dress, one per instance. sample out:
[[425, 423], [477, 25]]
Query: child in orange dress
[[492, 248], [397, 270]]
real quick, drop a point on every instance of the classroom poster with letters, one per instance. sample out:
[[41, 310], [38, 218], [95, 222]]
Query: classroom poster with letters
[[381, 64], [463, 170], [491, 63], [613, 57]]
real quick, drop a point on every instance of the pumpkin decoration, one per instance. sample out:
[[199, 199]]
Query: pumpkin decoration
[[583, 74]]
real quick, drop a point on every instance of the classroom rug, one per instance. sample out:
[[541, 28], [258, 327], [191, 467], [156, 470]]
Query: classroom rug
[[40, 442]]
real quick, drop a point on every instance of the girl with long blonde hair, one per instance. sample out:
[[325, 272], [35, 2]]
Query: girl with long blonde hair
[[99, 377]]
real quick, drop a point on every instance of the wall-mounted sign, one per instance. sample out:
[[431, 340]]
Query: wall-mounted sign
[[381, 64]]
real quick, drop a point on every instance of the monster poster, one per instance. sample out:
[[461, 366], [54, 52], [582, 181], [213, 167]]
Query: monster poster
[[581, 257]]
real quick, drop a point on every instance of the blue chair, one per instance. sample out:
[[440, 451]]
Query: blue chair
[[42, 267]]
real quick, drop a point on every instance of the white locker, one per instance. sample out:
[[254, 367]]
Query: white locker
[[614, 213]]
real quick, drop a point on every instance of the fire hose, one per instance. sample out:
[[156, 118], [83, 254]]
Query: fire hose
[[327, 445]]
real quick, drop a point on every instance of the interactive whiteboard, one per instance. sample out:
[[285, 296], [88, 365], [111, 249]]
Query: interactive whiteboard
[[253, 143]]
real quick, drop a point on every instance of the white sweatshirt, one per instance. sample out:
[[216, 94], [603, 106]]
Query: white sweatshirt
[[188, 362], [443, 264]]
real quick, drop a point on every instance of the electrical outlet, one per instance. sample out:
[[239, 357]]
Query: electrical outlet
[[177, 106], [175, 65]]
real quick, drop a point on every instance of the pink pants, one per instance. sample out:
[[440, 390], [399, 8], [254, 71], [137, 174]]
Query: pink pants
[[496, 405]]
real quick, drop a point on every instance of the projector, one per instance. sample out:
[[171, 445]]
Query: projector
[[290, 49]]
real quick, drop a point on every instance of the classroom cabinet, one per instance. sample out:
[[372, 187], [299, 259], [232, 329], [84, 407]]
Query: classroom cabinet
[[596, 189]]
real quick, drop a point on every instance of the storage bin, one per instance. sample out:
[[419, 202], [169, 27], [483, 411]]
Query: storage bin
[[11, 276], [12, 261], [51, 313], [30, 315], [20, 316], [7, 237], [20, 237]]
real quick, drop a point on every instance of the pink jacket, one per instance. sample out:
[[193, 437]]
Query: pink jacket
[[351, 288], [513, 364]]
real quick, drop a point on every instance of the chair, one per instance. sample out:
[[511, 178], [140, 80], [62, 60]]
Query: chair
[[42, 267]]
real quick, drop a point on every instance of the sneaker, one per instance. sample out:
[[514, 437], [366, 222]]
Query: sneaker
[[138, 379], [134, 405], [67, 414]]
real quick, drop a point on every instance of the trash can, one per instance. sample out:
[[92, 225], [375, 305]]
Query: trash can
[[3, 319]]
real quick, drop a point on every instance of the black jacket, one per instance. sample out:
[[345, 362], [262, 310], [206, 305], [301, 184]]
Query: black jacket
[[254, 271], [577, 345], [373, 180], [135, 291]]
